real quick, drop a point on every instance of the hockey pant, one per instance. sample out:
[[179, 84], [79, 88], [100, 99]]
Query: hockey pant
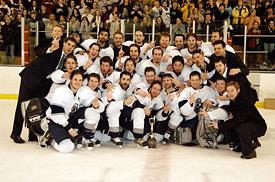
[[113, 112]]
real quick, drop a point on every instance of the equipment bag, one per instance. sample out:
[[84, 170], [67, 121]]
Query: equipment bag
[[183, 135], [206, 136]]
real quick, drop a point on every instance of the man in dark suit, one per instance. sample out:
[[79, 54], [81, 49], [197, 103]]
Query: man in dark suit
[[44, 45], [246, 122], [222, 69], [34, 81], [233, 61]]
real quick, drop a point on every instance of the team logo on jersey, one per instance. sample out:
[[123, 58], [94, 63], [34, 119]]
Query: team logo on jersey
[[74, 109]]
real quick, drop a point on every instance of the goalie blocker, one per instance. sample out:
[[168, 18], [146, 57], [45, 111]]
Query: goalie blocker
[[33, 112]]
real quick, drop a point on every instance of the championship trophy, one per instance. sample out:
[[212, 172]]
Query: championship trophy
[[151, 139]]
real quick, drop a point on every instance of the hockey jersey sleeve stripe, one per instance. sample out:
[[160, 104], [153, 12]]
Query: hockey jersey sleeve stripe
[[57, 109], [181, 103]]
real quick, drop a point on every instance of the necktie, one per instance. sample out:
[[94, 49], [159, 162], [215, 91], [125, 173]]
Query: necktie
[[61, 62]]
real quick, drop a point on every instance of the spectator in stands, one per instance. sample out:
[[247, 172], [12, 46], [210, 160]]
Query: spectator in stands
[[178, 28], [43, 12], [124, 15], [165, 14], [147, 13], [239, 13], [253, 5], [2, 45], [2, 14], [97, 21], [75, 13], [268, 15], [221, 15], [175, 12], [94, 8], [49, 24], [5, 8], [126, 4], [34, 6], [49, 4], [146, 25], [85, 28], [213, 7], [104, 15], [228, 9], [198, 18], [201, 9], [74, 24], [86, 13], [136, 11], [61, 9], [82, 6], [71, 7], [62, 21], [8, 31], [269, 43], [254, 44], [160, 26], [209, 21], [249, 21], [115, 25], [156, 10], [187, 10]]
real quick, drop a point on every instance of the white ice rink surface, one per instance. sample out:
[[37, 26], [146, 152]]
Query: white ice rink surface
[[29, 162]]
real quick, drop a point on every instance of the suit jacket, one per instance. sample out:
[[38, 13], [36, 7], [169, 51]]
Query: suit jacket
[[41, 49], [232, 61], [243, 111], [34, 76], [244, 83]]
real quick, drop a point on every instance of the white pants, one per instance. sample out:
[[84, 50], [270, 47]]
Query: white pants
[[138, 117], [113, 111]]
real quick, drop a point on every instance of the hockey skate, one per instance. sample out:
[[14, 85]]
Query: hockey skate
[[141, 142], [96, 142], [166, 138], [45, 139], [78, 142], [117, 142], [87, 143]]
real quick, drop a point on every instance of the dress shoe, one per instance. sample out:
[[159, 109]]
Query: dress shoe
[[249, 156], [256, 144], [17, 139], [237, 149]]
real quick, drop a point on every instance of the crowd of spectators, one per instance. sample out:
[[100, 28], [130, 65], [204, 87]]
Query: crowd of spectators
[[85, 15]]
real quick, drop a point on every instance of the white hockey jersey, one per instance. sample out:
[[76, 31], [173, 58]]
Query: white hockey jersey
[[58, 81], [66, 101], [186, 109], [86, 96], [108, 51]]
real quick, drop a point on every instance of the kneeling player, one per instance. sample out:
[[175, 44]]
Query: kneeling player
[[64, 104]]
